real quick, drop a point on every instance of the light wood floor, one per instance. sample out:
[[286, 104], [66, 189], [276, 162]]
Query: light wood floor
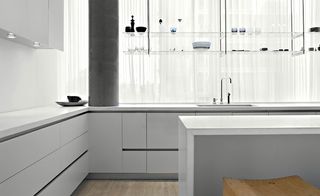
[[127, 188]]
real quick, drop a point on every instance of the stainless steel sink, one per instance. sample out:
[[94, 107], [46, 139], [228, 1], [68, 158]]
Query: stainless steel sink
[[226, 105]]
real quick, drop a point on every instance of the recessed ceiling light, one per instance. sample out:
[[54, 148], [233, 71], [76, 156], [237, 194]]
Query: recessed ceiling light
[[11, 36], [36, 44]]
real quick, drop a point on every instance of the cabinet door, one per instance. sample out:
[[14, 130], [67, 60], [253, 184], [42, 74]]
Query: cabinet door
[[23, 151], [162, 162], [30, 180], [69, 180], [73, 128], [105, 143], [134, 130], [134, 161], [56, 24], [13, 16], [26, 18], [38, 21], [162, 130], [73, 150]]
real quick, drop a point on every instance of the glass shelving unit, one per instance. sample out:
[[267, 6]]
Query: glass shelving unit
[[224, 41]]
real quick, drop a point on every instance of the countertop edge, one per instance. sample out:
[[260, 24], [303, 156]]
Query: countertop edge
[[22, 129], [251, 124], [194, 108]]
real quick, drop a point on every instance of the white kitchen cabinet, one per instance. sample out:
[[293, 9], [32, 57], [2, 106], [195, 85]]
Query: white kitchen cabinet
[[69, 180], [33, 160], [105, 143], [134, 133], [162, 130], [21, 152], [162, 162], [134, 161], [25, 18], [73, 150], [134, 130], [30, 180], [13, 16], [162, 136], [56, 24], [33, 21], [73, 128], [37, 21]]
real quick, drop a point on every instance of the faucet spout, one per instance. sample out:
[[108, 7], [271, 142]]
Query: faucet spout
[[229, 79]]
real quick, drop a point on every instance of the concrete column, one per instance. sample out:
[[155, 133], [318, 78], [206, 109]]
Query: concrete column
[[104, 57]]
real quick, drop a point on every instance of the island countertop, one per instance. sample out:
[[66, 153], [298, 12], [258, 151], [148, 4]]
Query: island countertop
[[252, 124], [249, 147]]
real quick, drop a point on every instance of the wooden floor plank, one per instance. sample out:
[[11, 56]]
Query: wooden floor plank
[[127, 188]]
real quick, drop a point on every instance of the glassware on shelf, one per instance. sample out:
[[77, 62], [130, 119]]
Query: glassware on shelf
[[161, 27], [179, 26], [173, 29]]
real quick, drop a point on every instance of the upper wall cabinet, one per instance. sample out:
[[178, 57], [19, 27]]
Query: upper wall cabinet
[[35, 23]]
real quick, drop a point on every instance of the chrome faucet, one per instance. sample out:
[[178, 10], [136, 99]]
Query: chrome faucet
[[221, 90]]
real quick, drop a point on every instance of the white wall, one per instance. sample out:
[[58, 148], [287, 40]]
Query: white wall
[[28, 77], [38, 77]]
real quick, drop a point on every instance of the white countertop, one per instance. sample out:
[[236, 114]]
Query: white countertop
[[17, 122], [252, 125], [256, 107], [13, 123]]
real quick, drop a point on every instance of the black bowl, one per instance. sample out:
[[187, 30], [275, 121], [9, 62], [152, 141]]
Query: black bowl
[[315, 29], [73, 99], [128, 29], [141, 29]]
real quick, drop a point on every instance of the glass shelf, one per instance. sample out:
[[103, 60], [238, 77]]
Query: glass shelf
[[172, 52], [135, 34], [218, 34], [313, 33], [209, 52], [274, 35]]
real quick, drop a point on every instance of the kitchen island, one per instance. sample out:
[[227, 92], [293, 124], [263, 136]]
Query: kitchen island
[[250, 147]]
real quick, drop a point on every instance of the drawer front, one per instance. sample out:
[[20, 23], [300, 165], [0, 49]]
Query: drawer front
[[73, 128], [73, 150], [134, 130], [20, 152], [32, 179], [162, 129], [69, 180], [162, 162], [134, 162]]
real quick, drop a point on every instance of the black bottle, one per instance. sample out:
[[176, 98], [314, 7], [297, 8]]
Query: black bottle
[[132, 24], [319, 48]]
